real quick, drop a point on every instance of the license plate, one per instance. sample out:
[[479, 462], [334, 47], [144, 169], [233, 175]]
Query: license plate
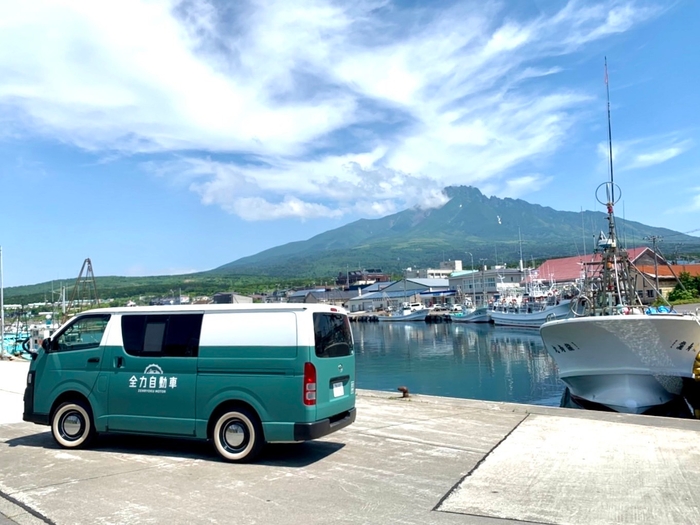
[[338, 389]]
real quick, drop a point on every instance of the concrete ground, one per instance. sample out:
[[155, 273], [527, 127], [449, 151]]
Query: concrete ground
[[421, 460]]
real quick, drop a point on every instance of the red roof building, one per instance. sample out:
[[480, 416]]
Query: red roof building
[[569, 269]]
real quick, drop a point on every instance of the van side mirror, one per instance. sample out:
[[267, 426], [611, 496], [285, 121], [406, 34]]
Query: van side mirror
[[46, 344]]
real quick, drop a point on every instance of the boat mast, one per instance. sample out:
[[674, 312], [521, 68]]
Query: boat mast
[[617, 282]]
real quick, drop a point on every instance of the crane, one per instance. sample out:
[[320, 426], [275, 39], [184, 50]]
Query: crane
[[84, 292]]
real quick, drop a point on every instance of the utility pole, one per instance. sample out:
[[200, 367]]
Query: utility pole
[[654, 239], [484, 294], [473, 284]]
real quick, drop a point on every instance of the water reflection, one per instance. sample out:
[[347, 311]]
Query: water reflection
[[457, 360]]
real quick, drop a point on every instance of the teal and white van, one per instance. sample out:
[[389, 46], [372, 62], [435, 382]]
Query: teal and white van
[[238, 375]]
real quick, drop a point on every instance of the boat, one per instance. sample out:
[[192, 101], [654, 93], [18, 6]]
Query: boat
[[471, 315], [533, 308], [614, 352], [407, 312]]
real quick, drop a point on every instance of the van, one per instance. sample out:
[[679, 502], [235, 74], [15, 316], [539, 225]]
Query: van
[[239, 376]]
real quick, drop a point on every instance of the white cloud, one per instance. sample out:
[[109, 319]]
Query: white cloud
[[643, 152], [695, 201], [330, 107], [259, 209], [690, 203], [520, 186], [644, 160]]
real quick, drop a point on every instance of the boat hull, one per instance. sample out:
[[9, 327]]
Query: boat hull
[[480, 315], [534, 319], [629, 363], [418, 315]]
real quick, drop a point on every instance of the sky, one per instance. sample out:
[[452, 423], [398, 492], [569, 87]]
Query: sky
[[167, 137]]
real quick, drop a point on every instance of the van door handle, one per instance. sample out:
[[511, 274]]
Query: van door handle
[[119, 362], [94, 360]]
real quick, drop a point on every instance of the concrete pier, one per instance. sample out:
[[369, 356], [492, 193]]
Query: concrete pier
[[419, 460]]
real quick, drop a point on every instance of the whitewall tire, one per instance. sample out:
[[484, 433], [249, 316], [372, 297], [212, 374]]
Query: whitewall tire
[[238, 435], [72, 425]]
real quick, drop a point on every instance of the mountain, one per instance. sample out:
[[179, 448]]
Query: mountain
[[488, 227]]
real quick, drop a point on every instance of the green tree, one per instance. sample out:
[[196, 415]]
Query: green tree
[[687, 289]]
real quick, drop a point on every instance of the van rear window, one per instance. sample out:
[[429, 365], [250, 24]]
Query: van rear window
[[333, 335]]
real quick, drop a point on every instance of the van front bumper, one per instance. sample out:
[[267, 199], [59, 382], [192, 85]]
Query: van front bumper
[[317, 429], [29, 414]]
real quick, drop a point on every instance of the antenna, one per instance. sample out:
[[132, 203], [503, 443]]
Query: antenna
[[612, 180], [654, 239]]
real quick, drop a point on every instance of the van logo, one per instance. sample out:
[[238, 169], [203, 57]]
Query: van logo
[[153, 384], [340, 368]]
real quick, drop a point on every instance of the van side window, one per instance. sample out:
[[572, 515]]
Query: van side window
[[333, 335], [84, 333], [163, 335]]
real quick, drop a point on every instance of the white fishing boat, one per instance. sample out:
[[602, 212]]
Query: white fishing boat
[[629, 363], [407, 312], [471, 315], [532, 311], [615, 351]]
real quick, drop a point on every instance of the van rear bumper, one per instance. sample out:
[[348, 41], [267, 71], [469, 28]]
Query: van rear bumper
[[317, 429], [39, 419]]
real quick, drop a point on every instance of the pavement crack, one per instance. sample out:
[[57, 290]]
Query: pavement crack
[[478, 464], [68, 482]]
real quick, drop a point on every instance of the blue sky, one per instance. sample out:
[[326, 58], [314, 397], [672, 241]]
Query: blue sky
[[163, 137]]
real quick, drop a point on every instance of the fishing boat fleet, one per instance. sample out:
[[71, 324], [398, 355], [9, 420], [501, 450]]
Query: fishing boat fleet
[[528, 308]]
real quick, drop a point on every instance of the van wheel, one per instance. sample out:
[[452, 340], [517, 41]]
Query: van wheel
[[238, 435], [72, 425]]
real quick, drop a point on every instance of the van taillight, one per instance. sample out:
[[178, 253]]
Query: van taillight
[[309, 384]]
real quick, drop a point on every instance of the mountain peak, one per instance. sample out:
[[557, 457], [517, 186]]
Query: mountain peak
[[488, 228]]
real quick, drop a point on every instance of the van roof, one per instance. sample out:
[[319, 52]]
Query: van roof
[[244, 307]]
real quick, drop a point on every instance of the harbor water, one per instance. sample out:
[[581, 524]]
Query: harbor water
[[477, 361]]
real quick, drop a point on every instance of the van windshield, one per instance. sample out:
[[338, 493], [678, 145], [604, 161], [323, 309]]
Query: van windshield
[[333, 335]]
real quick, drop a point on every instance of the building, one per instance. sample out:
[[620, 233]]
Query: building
[[359, 278], [322, 295], [277, 296], [651, 266], [667, 276], [426, 291], [484, 285], [443, 272], [231, 298]]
